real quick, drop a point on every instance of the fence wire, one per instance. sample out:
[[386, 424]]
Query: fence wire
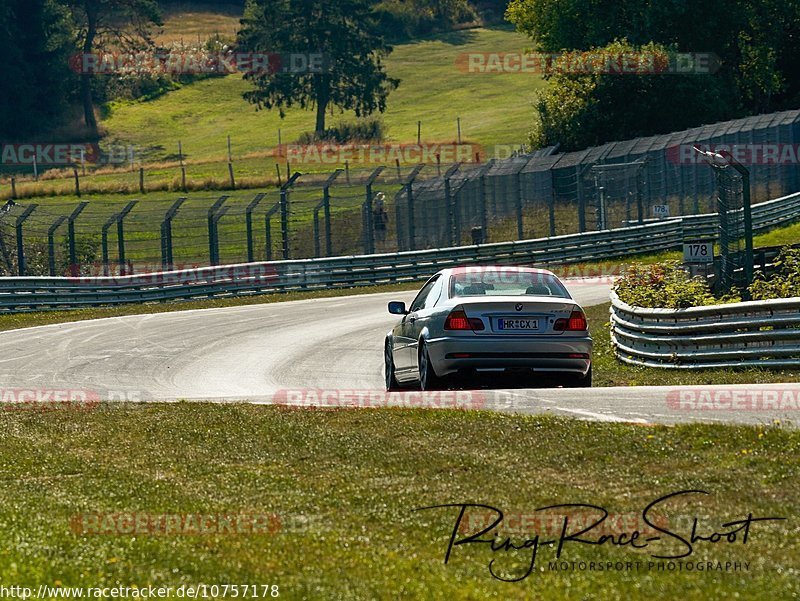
[[409, 207]]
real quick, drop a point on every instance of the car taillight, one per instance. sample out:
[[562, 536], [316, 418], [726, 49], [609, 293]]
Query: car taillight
[[458, 320], [575, 323]]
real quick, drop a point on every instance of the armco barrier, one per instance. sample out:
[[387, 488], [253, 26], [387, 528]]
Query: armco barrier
[[19, 294], [756, 333]]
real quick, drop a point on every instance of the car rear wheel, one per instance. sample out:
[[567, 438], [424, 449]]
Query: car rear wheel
[[428, 380], [388, 370], [579, 381]]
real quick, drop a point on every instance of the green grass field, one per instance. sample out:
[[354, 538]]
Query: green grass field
[[341, 488], [494, 109]]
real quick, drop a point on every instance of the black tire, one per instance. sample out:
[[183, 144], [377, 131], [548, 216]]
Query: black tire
[[428, 380], [388, 368], [579, 381]]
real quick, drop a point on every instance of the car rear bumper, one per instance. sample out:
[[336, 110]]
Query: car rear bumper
[[546, 353]]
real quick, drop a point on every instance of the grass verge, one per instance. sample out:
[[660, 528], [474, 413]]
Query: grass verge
[[343, 485]]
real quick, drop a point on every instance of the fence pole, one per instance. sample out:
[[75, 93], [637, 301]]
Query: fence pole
[[581, 203], [451, 225], [640, 194], [326, 207], [317, 247], [409, 186], [284, 204], [518, 203], [484, 212], [249, 223], [104, 243], [51, 243], [746, 214], [268, 229], [367, 220], [167, 259], [217, 216], [183, 167], [20, 245], [121, 234], [213, 246], [285, 223], [73, 255]]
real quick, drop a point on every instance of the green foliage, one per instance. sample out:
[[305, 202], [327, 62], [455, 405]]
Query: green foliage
[[591, 108], [354, 77], [34, 73], [785, 283], [400, 19], [754, 41], [363, 130], [665, 285], [87, 255]]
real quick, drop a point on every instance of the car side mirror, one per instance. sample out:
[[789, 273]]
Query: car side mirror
[[397, 308]]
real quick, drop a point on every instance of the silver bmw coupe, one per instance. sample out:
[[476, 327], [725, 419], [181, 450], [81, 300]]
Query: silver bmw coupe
[[469, 320]]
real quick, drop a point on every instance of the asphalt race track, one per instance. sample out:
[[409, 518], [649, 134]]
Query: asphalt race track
[[251, 353]]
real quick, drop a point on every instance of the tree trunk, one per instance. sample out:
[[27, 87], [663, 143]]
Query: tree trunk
[[86, 78], [322, 105], [88, 103]]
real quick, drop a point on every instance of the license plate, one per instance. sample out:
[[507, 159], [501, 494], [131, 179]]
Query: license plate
[[517, 324]]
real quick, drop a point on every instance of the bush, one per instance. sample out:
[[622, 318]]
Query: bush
[[585, 105], [363, 130], [403, 19], [785, 283], [666, 285]]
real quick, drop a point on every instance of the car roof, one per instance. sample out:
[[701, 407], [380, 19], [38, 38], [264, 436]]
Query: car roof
[[500, 268]]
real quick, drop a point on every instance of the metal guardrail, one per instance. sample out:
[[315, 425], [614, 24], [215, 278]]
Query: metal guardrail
[[749, 334], [18, 294]]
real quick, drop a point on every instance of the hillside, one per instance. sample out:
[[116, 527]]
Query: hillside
[[494, 108]]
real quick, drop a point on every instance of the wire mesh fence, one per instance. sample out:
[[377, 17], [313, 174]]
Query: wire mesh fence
[[406, 207]]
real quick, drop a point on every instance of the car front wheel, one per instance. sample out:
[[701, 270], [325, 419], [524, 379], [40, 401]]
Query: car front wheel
[[388, 369]]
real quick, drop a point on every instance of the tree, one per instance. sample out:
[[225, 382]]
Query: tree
[[101, 24], [34, 75], [756, 40], [588, 109], [353, 76]]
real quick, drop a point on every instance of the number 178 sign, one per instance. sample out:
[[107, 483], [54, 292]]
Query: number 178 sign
[[701, 251]]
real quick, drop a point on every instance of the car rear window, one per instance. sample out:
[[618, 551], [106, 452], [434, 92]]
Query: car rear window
[[506, 283]]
